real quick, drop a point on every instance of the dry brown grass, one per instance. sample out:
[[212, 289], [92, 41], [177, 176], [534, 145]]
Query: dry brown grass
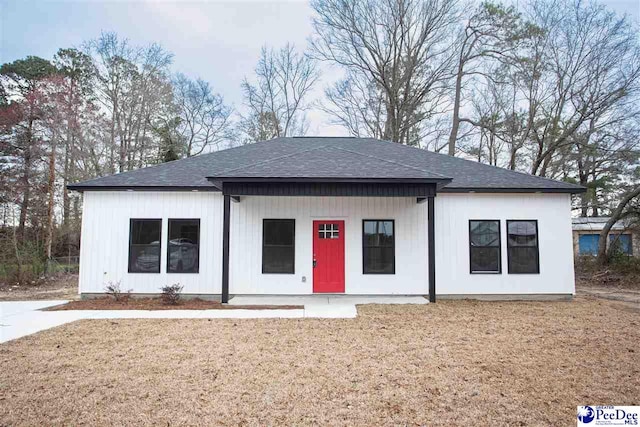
[[62, 286], [450, 363]]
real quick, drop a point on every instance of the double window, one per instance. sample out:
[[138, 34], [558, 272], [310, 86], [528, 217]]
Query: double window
[[183, 247], [522, 247], [378, 247], [278, 246], [484, 246], [144, 245]]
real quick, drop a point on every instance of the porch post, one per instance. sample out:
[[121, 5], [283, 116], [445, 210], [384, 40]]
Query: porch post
[[225, 248], [432, 247]]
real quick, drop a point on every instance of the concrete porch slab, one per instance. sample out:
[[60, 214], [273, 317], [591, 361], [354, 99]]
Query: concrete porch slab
[[308, 300]]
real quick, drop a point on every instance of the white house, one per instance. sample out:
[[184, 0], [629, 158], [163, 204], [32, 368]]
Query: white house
[[307, 215]]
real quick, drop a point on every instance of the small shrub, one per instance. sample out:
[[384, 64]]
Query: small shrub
[[116, 291], [171, 294]]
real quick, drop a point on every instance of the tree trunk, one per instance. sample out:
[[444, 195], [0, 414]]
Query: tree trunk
[[615, 217], [455, 124], [51, 206], [26, 176]]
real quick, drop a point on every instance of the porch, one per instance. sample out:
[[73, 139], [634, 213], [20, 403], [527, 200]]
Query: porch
[[322, 213]]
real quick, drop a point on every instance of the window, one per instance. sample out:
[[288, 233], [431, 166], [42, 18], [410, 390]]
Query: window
[[144, 245], [183, 246], [588, 244], [621, 243], [522, 247], [329, 231], [378, 247], [278, 246], [484, 246]]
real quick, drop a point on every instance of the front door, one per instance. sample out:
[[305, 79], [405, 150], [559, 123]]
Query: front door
[[328, 256]]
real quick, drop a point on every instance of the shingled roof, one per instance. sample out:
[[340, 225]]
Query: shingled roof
[[327, 158]]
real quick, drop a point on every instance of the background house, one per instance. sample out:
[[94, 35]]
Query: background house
[[586, 235]]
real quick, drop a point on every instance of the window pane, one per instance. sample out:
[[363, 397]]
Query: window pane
[[378, 233], [144, 246], [278, 231], [522, 233], [523, 259], [621, 243], [485, 259], [485, 233], [278, 246], [184, 240], [145, 231], [378, 260], [144, 258], [277, 259], [588, 244]]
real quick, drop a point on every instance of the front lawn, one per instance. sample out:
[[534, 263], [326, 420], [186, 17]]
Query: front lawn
[[454, 362]]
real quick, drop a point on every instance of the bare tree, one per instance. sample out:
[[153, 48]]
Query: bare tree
[[357, 104], [278, 99], [399, 51], [585, 62], [133, 85], [493, 33], [203, 116]]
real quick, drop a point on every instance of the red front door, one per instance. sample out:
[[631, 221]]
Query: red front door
[[328, 256]]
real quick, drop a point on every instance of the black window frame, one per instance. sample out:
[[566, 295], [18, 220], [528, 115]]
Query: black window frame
[[169, 251], [499, 271], [537, 246], [393, 246], [293, 264], [131, 220]]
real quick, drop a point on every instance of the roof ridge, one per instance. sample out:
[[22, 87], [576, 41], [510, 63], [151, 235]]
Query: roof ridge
[[471, 161], [267, 161], [392, 162]]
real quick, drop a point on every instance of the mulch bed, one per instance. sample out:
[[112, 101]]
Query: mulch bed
[[449, 363], [108, 303]]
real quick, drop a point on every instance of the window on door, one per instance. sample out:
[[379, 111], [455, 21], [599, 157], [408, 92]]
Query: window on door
[[184, 246], [378, 247], [278, 246], [329, 231], [522, 247], [484, 246], [144, 245]]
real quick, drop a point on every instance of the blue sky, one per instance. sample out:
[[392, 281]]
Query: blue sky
[[215, 40]]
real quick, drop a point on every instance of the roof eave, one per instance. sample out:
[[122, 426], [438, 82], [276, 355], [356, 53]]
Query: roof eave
[[571, 190], [82, 188]]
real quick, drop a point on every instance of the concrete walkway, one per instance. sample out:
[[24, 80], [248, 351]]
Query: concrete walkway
[[21, 318], [326, 306]]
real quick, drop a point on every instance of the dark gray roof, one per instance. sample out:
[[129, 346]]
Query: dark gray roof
[[329, 158]]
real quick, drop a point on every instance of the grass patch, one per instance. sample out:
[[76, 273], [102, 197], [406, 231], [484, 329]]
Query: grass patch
[[450, 363]]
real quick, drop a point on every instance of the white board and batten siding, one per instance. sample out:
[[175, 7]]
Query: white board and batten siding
[[553, 213], [105, 242], [410, 242], [104, 250]]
